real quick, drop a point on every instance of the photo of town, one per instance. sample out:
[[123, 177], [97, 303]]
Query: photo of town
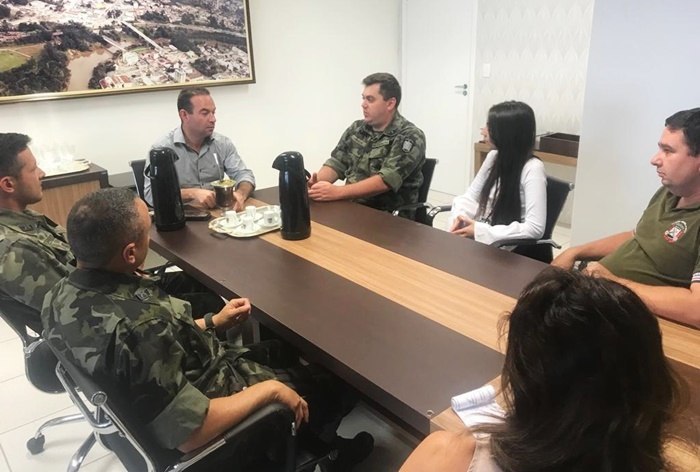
[[66, 47]]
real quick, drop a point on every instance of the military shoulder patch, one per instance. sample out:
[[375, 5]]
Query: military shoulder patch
[[407, 146]]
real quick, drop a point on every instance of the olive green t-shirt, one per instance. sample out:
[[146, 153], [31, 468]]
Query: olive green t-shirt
[[665, 249]]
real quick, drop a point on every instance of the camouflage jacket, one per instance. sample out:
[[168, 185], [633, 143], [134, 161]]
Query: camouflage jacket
[[396, 154], [128, 332], [34, 256]]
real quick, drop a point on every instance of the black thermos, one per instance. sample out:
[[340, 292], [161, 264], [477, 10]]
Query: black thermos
[[165, 189], [294, 195]]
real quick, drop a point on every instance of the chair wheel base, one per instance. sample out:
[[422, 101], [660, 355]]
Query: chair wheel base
[[36, 445]]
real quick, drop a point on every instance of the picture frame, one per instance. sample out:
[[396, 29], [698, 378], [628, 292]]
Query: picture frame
[[82, 48]]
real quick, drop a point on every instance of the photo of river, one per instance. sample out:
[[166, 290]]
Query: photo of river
[[81, 68]]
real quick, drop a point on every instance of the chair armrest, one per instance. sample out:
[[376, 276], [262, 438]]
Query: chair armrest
[[274, 415], [525, 242], [410, 206], [434, 211]]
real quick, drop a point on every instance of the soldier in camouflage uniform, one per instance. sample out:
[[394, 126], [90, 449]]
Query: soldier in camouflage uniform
[[380, 157], [34, 254], [186, 385]]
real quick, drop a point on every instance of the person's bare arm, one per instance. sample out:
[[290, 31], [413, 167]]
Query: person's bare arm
[[241, 194], [234, 312], [226, 412], [325, 191], [675, 303], [198, 197], [444, 451], [325, 174], [591, 251]]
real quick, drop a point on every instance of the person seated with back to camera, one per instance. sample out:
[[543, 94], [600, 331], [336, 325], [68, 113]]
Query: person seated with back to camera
[[34, 252], [116, 326], [586, 387], [508, 197]]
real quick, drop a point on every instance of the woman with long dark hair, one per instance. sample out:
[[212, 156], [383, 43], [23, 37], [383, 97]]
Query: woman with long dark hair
[[586, 387], [508, 197]]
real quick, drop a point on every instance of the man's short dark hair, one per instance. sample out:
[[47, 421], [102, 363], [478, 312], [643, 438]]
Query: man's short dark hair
[[184, 99], [389, 87], [689, 122], [11, 144], [101, 223]]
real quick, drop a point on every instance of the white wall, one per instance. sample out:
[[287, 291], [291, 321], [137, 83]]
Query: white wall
[[643, 66], [310, 57]]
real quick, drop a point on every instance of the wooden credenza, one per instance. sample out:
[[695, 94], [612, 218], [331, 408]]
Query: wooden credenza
[[62, 191], [482, 149]]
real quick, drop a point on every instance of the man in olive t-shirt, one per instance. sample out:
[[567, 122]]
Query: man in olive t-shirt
[[660, 259]]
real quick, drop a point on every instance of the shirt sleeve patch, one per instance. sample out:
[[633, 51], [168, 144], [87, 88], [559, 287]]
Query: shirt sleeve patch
[[407, 146]]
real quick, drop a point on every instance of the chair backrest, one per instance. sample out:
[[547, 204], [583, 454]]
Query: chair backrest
[[133, 446], [137, 167], [125, 434], [39, 361], [428, 170], [557, 193]]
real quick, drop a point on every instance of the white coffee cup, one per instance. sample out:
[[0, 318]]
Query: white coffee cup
[[231, 218], [247, 223], [269, 217], [250, 211]]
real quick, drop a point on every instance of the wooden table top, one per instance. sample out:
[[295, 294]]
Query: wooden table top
[[381, 301], [404, 312]]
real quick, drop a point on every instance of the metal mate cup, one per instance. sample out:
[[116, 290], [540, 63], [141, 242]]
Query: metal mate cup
[[223, 190]]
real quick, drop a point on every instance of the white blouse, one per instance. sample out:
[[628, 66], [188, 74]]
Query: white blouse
[[533, 201]]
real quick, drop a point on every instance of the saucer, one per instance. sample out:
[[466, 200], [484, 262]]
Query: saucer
[[269, 225], [253, 231], [225, 225], [235, 230]]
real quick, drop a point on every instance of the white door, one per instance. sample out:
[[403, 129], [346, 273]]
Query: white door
[[437, 50]]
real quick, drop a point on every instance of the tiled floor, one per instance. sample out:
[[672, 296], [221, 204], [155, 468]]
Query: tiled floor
[[24, 408]]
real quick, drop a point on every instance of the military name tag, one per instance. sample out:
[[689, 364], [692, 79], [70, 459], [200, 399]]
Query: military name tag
[[143, 294]]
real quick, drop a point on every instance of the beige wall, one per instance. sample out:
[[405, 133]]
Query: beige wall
[[310, 56], [537, 51]]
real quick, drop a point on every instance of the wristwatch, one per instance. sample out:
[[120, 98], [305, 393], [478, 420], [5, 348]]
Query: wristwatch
[[209, 321]]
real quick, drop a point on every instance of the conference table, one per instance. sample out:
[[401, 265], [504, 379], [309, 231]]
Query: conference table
[[405, 313]]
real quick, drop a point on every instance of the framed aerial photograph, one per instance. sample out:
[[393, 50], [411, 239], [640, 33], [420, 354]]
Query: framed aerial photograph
[[51, 49]]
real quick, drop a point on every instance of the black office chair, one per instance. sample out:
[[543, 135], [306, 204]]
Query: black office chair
[[39, 367], [540, 249], [418, 211], [137, 167], [115, 426]]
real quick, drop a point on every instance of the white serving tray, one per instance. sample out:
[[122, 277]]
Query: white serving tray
[[66, 167], [221, 225]]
